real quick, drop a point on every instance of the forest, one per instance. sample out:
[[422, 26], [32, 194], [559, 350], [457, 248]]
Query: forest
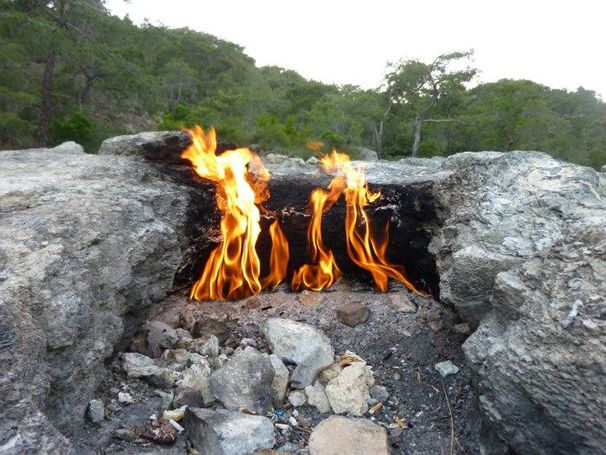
[[69, 70]]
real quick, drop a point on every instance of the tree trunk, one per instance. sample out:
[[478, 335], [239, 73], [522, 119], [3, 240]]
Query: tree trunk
[[47, 100], [378, 137], [417, 142]]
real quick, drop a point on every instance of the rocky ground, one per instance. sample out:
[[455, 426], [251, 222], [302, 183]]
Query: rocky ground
[[399, 367]]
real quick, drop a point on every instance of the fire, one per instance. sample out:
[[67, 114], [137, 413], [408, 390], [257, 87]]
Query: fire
[[233, 268], [364, 248], [324, 270], [278, 261]]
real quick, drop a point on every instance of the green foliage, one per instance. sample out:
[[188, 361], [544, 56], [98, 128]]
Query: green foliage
[[112, 77], [79, 126]]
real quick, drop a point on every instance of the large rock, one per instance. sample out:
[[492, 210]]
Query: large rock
[[541, 353], [342, 436], [159, 146], [87, 243], [225, 432], [245, 381], [301, 344]]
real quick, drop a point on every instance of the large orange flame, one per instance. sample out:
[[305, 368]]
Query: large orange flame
[[233, 268], [323, 271], [364, 248]]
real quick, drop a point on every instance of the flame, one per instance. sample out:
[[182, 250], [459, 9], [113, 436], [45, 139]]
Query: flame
[[278, 261], [364, 248], [233, 268], [324, 270]]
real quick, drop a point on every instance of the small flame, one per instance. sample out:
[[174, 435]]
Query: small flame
[[324, 270], [233, 268], [278, 260]]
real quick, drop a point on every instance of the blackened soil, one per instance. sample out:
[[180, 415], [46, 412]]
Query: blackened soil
[[438, 415]]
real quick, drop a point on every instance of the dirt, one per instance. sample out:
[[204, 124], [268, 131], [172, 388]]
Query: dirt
[[436, 415]]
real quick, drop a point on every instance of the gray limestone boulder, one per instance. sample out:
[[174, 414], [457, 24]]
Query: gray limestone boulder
[[244, 381], [87, 244], [225, 432]]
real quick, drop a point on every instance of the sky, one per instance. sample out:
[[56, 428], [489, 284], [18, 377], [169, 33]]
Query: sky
[[558, 43]]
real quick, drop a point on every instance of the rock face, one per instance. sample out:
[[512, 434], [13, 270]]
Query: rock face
[[87, 243], [342, 436]]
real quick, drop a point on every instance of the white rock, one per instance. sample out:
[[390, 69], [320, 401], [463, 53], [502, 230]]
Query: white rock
[[207, 346], [138, 365], [95, 411], [301, 344], [297, 398], [338, 435], [316, 396], [125, 398], [446, 368], [197, 377], [349, 392]]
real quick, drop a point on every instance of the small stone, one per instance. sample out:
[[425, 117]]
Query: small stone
[[244, 381], [401, 302], [188, 396], [167, 398], [228, 432], [349, 391], [436, 326], [446, 368], [197, 377], [310, 298], [139, 366], [207, 346], [331, 372], [338, 435], [301, 344], [379, 392], [316, 396], [288, 447], [95, 411], [174, 414], [462, 328], [293, 422], [125, 434], [219, 327], [159, 431], [160, 336], [183, 357], [280, 381], [297, 398], [353, 313], [125, 398]]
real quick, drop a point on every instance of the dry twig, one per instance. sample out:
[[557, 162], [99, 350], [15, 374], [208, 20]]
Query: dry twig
[[452, 423]]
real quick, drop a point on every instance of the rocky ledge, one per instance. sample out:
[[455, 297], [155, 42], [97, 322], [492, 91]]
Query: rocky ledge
[[516, 241]]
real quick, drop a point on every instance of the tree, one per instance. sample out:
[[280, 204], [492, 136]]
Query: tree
[[419, 87]]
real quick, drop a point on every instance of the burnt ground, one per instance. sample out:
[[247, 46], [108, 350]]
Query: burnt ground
[[401, 347]]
